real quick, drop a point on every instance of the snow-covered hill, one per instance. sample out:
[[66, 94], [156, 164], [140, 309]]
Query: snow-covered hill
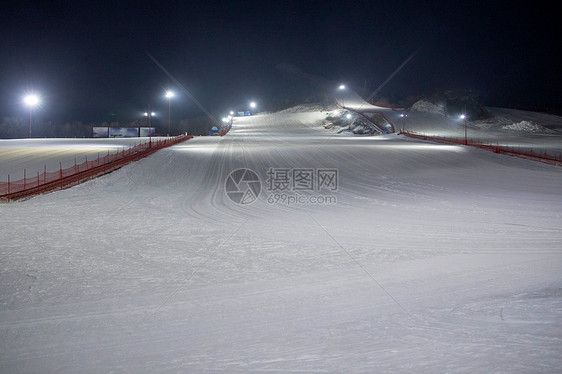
[[501, 119], [360, 254]]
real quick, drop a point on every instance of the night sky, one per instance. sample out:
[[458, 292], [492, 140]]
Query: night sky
[[88, 59]]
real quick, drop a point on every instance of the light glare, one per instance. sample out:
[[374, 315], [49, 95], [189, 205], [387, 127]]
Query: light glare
[[31, 100]]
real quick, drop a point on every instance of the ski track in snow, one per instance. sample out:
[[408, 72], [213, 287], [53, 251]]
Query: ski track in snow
[[435, 258]]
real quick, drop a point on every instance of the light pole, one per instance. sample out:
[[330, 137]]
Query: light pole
[[169, 95], [342, 88], [149, 114], [403, 121], [463, 116], [31, 101]]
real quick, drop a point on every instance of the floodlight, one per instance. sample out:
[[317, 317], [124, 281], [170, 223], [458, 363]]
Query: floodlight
[[31, 100]]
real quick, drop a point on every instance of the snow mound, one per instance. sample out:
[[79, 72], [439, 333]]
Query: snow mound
[[303, 108], [428, 107], [527, 126]]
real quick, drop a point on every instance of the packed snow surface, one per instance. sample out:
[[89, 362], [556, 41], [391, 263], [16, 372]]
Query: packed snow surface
[[418, 258]]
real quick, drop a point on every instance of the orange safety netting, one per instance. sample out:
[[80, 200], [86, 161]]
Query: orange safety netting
[[528, 153]]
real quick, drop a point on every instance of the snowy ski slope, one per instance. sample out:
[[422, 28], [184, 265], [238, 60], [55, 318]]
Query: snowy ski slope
[[423, 258], [36, 154]]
